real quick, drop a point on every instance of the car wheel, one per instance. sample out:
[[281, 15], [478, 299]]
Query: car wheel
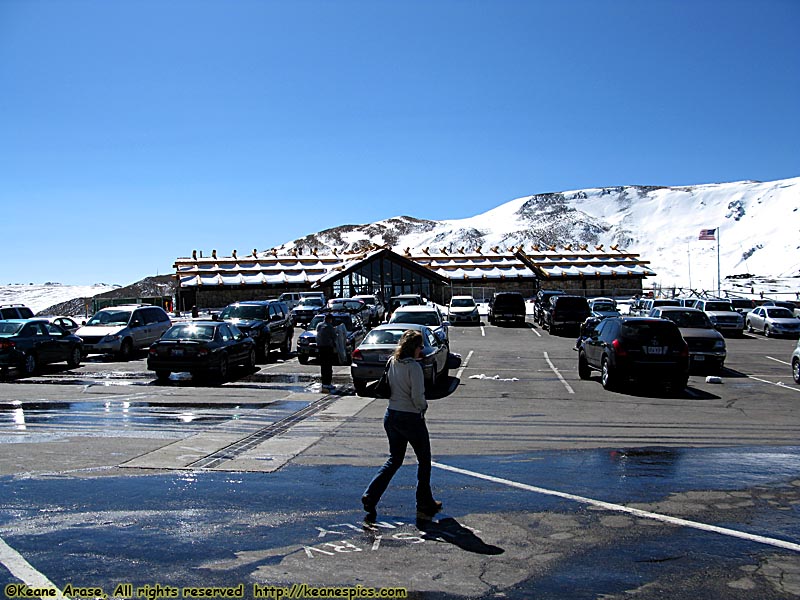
[[749, 327], [767, 332], [584, 370], [74, 358], [302, 359], [125, 349], [222, 369], [796, 370], [30, 364], [162, 375], [607, 376], [250, 362], [361, 386], [263, 349]]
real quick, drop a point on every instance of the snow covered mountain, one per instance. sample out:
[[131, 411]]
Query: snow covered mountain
[[757, 227]]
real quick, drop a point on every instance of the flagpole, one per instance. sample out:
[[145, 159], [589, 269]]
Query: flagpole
[[719, 287]]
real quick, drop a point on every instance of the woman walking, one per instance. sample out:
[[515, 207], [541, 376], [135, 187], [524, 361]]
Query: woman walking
[[404, 423]]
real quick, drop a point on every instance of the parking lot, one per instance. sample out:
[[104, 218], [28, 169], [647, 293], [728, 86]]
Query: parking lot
[[552, 486]]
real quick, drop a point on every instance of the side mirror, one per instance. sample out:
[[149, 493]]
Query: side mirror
[[440, 336]]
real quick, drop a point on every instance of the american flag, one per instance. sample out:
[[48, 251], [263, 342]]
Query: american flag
[[708, 234]]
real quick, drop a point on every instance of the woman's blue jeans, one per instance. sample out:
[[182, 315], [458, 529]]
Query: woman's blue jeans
[[403, 428]]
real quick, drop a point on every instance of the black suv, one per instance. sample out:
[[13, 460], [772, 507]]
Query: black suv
[[624, 348], [268, 322], [566, 312], [508, 307], [542, 302]]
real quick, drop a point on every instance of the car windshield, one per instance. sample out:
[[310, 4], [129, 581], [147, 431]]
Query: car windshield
[[244, 311], [646, 331], [688, 319], [110, 317], [310, 303], [462, 303], [9, 328], [348, 323], [429, 318], [366, 300], [189, 332], [346, 304], [719, 306], [779, 313], [384, 336]]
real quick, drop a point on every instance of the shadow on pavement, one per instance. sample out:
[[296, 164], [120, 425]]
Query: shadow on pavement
[[452, 532]]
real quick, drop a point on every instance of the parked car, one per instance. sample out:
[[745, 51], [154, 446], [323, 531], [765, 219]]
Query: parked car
[[369, 358], [507, 307], [796, 362], [645, 305], [396, 302], [722, 315], [773, 320], [306, 310], [787, 304], [201, 347], [742, 305], [353, 306], [290, 299], [463, 309], [307, 341], [603, 307], [28, 343], [64, 322], [640, 348], [123, 329], [566, 312], [541, 303], [268, 322], [15, 311], [376, 307], [706, 344], [423, 315]]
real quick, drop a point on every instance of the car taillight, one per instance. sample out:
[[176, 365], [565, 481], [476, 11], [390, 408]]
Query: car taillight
[[357, 355], [619, 349], [6, 344], [152, 351], [202, 352], [684, 350]]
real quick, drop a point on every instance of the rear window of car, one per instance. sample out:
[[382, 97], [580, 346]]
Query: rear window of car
[[696, 320], [462, 302], [189, 332], [429, 318], [645, 331], [384, 336], [509, 301], [9, 328], [570, 302], [245, 311]]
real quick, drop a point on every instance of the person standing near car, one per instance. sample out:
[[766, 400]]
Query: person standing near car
[[326, 346], [404, 423]]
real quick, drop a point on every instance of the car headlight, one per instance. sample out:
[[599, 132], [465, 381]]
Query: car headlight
[[713, 319], [111, 338], [719, 345]]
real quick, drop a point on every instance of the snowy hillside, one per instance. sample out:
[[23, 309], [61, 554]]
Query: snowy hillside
[[39, 297], [758, 227]]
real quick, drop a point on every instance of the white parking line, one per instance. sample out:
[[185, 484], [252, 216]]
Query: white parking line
[[464, 365], [625, 509], [779, 384], [553, 367], [22, 570], [534, 330], [483, 331], [783, 362]]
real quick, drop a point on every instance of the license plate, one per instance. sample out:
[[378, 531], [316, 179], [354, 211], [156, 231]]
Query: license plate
[[656, 350], [384, 357], [177, 352], [699, 358]]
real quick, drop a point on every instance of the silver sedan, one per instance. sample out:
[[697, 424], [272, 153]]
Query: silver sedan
[[369, 359]]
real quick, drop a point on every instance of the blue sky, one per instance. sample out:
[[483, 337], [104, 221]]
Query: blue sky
[[132, 132]]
